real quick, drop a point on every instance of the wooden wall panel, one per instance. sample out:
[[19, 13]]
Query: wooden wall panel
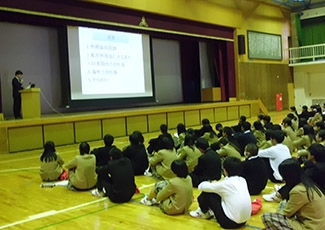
[[88, 130], [174, 118], [114, 126], [232, 113], [220, 114], [245, 110], [25, 138], [192, 118], [207, 113], [136, 123], [263, 81], [155, 120], [60, 134]]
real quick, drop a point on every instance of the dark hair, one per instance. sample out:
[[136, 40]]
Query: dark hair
[[166, 143], [84, 148], [108, 139], [293, 174], [277, 135], [293, 108], [267, 118], [258, 126], [309, 130], [305, 107], [189, 140], [291, 116], [260, 116], [115, 153], [205, 121], [321, 134], [134, 139], [287, 121], [179, 167], [208, 129], [242, 118], [202, 143], [228, 131], [320, 124], [181, 128], [218, 126], [18, 72], [318, 151], [140, 136], [246, 125], [163, 128], [49, 154], [252, 149], [233, 166]]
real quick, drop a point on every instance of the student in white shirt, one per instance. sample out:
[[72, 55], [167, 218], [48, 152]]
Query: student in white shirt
[[275, 155], [228, 200]]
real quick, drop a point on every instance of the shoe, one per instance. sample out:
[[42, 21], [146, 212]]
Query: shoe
[[277, 187], [199, 214], [97, 193], [147, 173], [272, 197], [146, 201]]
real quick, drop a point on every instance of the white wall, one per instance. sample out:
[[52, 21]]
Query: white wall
[[309, 83]]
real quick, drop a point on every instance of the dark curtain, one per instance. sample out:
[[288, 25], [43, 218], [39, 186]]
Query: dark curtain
[[221, 54], [190, 67], [313, 31]]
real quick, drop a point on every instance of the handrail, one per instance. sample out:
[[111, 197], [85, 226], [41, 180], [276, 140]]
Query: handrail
[[306, 54]]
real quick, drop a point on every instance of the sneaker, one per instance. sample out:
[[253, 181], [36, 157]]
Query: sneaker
[[146, 201], [277, 187], [97, 193], [199, 214], [272, 197], [147, 173]]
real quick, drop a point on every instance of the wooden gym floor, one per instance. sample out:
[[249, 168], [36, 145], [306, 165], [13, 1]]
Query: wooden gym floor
[[27, 206]]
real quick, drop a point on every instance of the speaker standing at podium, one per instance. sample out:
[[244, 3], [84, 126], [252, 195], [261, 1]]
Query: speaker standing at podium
[[17, 82]]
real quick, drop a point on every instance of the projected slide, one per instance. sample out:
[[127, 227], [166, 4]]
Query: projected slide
[[108, 64]]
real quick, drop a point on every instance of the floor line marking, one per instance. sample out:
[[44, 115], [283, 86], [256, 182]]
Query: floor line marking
[[18, 169], [50, 213], [146, 186]]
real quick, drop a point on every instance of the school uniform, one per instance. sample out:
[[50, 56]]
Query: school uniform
[[161, 162], [137, 154], [229, 199], [177, 196], [208, 168], [117, 178], [51, 170], [228, 151], [256, 174], [190, 155], [82, 173]]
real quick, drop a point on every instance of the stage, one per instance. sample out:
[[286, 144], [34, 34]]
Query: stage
[[65, 129]]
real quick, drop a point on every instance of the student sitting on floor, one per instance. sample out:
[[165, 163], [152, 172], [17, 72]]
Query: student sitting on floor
[[254, 170], [161, 161], [175, 195], [137, 154], [189, 152], [209, 164], [228, 200], [82, 175], [51, 163], [116, 177], [304, 207], [101, 153]]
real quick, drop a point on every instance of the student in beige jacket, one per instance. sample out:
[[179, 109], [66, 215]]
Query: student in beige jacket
[[51, 163], [82, 174], [174, 196], [189, 152]]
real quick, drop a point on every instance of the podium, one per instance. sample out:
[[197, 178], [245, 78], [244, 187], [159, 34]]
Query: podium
[[31, 103], [211, 94]]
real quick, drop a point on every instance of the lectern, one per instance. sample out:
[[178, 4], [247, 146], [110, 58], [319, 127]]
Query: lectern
[[211, 94], [31, 103]]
